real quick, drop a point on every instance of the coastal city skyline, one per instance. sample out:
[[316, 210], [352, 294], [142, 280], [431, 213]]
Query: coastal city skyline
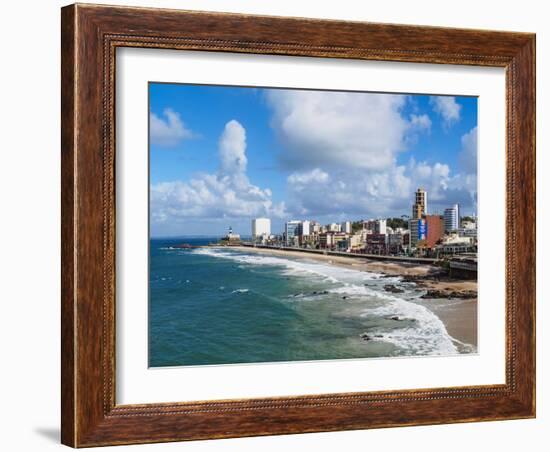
[[421, 233], [300, 225], [221, 156]]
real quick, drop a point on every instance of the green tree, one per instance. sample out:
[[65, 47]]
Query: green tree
[[356, 226], [395, 223]]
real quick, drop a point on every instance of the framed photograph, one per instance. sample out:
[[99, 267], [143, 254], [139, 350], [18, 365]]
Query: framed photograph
[[282, 225]]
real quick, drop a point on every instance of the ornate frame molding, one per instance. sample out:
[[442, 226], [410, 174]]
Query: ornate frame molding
[[90, 37]]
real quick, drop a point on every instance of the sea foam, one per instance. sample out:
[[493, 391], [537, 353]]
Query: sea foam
[[424, 334], [428, 336], [303, 266]]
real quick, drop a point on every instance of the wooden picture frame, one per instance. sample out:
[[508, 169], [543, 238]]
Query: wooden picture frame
[[90, 36]]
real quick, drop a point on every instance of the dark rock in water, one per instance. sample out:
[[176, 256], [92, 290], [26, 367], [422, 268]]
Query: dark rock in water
[[344, 297], [392, 288], [465, 294], [433, 293], [184, 246], [324, 292], [395, 318], [369, 337], [436, 293]]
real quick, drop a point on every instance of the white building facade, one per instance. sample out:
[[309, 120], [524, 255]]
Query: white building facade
[[261, 227], [452, 218], [305, 229], [346, 227]]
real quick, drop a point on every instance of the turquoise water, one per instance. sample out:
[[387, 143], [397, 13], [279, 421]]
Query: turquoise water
[[222, 306]]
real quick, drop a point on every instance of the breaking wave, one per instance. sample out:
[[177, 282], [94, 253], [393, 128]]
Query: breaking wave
[[412, 328]]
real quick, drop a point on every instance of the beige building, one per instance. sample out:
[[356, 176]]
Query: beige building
[[420, 206]]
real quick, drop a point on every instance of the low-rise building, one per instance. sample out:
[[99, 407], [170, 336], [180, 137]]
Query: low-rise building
[[376, 244], [329, 240], [454, 244], [395, 242], [467, 232]]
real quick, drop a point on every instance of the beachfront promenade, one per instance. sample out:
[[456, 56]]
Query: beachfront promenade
[[411, 259]]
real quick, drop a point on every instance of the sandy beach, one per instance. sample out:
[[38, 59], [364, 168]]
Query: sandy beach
[[453, 301]]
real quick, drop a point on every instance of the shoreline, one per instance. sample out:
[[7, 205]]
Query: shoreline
[[459, 315]]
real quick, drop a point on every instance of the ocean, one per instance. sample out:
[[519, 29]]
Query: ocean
[[216, 305]]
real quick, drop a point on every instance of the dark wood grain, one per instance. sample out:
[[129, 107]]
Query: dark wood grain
[[68, 310], [90, 36]]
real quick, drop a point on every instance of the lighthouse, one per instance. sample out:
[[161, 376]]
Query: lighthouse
[[232, 238]]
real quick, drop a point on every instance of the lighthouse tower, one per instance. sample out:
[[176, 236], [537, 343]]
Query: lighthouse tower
[[232, 237]]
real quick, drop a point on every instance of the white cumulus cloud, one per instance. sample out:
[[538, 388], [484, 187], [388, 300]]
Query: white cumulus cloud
[[227, 194], [447, 107], [324, 129], [303, 179], [341, 151], [422, 122], [232, 148], [168, 130]]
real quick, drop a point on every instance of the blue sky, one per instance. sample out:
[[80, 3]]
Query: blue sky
[[221, 156]]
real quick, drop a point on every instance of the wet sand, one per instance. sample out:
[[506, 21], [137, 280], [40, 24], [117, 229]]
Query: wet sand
[[458, 315]]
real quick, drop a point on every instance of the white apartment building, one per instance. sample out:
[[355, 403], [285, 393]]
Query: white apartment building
[[306, 229], [261, 227], [452, 218], [380, 227], [346, 227]]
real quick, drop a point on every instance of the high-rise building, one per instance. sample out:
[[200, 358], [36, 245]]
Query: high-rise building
[[418, 230], [435, 226], [292, 231], [452, 218], [261, 227], [305, 228], [346, 227], [420, 206], [376, 226], [380, 227]]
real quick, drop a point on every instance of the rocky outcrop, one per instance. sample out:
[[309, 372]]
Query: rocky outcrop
[[370, 337], [393, 289], [449, 294]]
